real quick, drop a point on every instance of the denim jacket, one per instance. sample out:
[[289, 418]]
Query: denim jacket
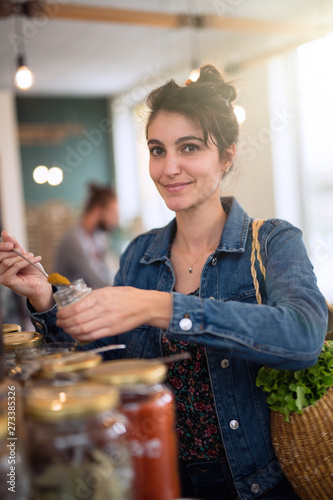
[[239, 335]]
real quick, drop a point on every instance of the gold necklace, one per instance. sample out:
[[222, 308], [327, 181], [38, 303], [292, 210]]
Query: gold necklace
[[197, 260]]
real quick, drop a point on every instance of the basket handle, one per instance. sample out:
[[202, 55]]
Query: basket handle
[[255, 255]]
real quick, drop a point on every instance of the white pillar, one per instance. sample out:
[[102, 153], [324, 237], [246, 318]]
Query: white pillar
[[11, 188]]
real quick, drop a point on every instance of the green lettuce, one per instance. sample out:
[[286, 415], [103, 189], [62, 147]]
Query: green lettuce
[[294, 390]]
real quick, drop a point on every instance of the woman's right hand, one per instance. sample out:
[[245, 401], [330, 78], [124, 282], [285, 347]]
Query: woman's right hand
[[21, 277]]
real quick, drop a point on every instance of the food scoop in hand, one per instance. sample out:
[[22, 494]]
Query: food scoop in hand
[[53, 278]]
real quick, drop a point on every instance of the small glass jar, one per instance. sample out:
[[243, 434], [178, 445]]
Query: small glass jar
[[65, 364], [66, 295], [53, 362], [149, 406], [77, 445], [14, 344]]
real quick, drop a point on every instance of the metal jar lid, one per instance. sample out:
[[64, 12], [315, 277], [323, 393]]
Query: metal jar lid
[[10, 328], [57, 403], [129, 372], [21, 340], [3, 426], [65, 362]]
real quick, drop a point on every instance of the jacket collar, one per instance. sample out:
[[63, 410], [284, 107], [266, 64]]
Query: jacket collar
[[233, 236]]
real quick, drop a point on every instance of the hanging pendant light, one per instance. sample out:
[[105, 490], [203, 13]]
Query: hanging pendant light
[[23, 76]]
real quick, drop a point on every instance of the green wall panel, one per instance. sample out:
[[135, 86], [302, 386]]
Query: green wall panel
[[73, 134]]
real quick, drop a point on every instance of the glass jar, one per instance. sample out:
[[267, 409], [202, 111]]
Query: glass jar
[[50, 362], [149, 406], [77, 445], [65, 364], [14, 344], [66, 295], [14, 477]]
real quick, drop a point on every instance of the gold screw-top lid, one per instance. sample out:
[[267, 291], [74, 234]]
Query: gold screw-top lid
[[10, 328], [129, 372], [69, 402], [3, 426], [55, 363], [22, 340]]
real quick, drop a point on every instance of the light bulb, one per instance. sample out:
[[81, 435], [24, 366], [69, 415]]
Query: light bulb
[[40, 174], [55, 176], [23, 77], [194, 75], [240, 113]]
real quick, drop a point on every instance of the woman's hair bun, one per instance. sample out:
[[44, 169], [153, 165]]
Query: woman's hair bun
[[209, 73]]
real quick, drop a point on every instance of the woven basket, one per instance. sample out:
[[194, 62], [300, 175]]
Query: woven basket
[[304, 448]]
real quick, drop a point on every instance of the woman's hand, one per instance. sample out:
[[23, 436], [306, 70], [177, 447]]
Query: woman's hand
[[113, 310], [21, 277]]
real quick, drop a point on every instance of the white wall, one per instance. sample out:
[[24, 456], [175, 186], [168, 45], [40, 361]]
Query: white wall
[[11, 189], [252, 179]]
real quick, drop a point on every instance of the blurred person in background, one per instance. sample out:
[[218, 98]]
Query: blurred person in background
[[84, 250]]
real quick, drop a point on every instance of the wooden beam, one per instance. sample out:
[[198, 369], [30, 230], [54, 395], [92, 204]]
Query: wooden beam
[[256, 26], [101, 14], [165, 20]]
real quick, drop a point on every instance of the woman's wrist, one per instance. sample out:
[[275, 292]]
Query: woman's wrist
[[159, 306], [43, 301]]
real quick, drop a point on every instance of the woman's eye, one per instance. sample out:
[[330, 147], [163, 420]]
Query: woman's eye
[[190, 148], [156, 151]]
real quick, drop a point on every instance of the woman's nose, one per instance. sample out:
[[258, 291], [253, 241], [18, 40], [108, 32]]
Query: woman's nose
[[171, 166]]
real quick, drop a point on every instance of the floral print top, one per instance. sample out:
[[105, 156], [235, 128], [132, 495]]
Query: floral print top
[[197, 426]]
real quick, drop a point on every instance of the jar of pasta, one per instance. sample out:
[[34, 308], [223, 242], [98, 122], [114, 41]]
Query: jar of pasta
[[77, 445], [149, 406]]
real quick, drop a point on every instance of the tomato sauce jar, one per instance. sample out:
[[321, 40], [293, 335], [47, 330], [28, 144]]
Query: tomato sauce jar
[[149, 407]]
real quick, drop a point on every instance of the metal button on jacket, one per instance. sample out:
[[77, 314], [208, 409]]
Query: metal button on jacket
[[214, 261], [255, 488], [225, 363], [185, 324], [234, 425]]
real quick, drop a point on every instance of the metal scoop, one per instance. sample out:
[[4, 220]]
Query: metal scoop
[[53, 278]]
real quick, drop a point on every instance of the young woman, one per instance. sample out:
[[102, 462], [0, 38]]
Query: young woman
[[191, 286]]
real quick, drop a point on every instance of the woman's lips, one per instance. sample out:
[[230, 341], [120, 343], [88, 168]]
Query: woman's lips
[[174, 188]]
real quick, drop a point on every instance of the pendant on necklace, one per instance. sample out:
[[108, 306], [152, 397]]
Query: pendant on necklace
[[190, 270]]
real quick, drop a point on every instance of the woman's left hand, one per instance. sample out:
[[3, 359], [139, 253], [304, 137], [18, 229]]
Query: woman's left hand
[[111, 311]]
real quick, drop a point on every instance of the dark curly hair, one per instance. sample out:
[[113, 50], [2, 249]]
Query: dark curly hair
[[207, 101]]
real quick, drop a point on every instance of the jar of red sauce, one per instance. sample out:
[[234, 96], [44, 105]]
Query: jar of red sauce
[[149, 407]]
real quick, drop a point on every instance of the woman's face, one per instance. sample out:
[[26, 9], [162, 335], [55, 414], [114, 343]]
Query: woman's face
[[186, 171]]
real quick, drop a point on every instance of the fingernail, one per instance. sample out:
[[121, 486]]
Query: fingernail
[[8, 246]]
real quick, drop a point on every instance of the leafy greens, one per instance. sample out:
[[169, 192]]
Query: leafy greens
[[294, 390]]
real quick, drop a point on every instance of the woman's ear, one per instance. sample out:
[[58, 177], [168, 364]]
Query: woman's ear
[[228, 157]]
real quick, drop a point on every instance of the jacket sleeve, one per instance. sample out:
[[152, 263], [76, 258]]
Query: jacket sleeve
[[286, 332]]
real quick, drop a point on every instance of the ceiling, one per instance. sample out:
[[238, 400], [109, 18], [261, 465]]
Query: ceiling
[[130, 44]]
